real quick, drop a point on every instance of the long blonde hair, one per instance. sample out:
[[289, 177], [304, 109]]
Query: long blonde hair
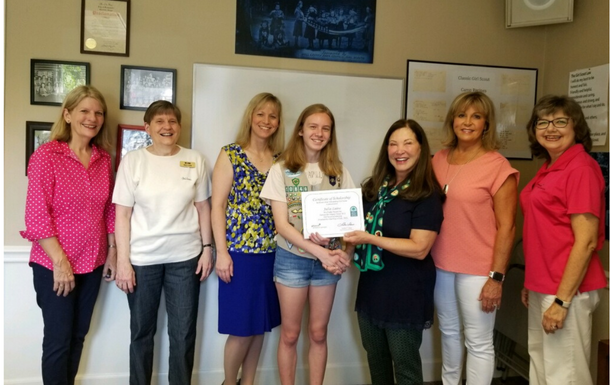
[[294, 156], [62, 131]]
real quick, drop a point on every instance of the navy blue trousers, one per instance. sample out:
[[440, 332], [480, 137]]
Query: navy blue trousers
[[66, 322]]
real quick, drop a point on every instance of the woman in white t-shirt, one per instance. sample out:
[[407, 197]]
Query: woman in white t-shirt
[[309, 162], [164, 242]]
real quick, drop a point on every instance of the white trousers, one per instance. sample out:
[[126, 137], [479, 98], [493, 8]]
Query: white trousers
[[561, 358], [463, 322]]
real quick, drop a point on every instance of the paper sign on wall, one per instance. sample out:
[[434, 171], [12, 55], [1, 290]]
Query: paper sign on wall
[[589, 87]]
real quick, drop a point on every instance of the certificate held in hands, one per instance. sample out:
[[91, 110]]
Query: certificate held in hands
[[332, 213]]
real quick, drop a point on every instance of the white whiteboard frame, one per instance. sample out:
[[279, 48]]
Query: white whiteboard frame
[[432, 86], [364, 107]]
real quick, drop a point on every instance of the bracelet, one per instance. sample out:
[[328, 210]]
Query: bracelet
[[110, 246], [208, 245]]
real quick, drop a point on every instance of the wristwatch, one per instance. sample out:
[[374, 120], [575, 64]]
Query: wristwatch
[[563, 304], [496, 276]]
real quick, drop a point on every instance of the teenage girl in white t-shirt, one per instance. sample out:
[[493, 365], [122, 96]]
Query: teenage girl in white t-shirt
[[309, 162]]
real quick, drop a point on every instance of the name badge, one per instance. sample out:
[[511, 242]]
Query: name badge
[[187, 164]]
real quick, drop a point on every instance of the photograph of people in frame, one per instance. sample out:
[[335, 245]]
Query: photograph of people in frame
[[36, 134], [140, 86], [332, 30], [52, 80]]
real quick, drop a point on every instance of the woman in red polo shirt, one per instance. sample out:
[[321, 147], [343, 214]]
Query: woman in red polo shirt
[[564, 208]]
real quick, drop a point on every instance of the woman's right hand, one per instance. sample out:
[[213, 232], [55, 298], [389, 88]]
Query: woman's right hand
[[125, 277], [63, 277], [224, 266], [525, 297], [332, 260]]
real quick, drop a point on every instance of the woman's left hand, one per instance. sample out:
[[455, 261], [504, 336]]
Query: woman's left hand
[[110, 265], [357, 237], [553, 317], [204, 265], [491, 296], [319, 240]]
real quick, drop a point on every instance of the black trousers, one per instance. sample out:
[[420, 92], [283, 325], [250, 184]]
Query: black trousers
[[66, 322]]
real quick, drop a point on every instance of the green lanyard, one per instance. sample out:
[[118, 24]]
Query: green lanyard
[[367, 256]]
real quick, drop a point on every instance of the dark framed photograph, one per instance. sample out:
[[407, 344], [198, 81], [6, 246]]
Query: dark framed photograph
[[105, 27], [140, 86], [51, 80], [130, 138], [338, 30], [36, 134]]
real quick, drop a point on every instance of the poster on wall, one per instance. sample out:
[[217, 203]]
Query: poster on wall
[[333, 30], [602, 160], [589, 87], [432, 86]]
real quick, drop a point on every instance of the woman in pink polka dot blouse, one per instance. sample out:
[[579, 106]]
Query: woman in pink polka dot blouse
[[69, 219]]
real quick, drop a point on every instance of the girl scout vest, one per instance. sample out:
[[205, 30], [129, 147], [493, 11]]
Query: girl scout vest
[[295, 183]]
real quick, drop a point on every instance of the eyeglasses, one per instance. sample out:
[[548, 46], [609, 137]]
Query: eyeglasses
[[543, 124]]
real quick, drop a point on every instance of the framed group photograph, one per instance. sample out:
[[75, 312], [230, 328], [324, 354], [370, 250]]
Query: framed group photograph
[[140, 86], [51, 80], [36, 134], [105, 27], [130, 138], [338, 30]]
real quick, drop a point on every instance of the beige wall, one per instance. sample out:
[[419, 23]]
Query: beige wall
[[202, 31], [179, 33]]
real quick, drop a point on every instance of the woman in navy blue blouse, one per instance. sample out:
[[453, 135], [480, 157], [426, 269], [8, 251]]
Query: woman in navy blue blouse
[[395, 300]]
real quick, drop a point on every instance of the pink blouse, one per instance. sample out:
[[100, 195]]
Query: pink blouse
[[71, 203]]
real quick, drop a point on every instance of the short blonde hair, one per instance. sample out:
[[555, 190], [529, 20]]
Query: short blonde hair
[[276, 143], [484, 105], [62, 131]]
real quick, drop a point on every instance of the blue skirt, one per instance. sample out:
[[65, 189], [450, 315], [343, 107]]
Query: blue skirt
[[249, 305]]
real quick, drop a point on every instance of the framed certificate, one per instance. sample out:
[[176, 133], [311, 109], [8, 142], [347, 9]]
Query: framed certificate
[[105, 27], [332, 213]]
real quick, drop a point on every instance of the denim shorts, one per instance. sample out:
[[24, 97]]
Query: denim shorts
[[294, 271]]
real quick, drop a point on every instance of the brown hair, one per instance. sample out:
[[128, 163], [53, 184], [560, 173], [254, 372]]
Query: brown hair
[[162, 107], [294, 154], [62, 130], [423, 180], [276, 142], [549, 105], [484, 105]]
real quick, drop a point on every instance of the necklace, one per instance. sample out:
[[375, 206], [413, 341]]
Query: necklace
[[446, 187]]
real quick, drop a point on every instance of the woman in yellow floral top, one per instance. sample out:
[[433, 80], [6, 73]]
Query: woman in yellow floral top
[[244, 234]]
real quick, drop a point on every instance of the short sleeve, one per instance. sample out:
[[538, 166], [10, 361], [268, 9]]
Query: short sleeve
[[125, 185], [503, 171], [584, 188], [428, 214], [348, 182], [203, 185], [274, 188]]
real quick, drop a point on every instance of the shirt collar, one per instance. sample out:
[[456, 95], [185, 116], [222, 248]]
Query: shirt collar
[[64, 149], [565, 158]]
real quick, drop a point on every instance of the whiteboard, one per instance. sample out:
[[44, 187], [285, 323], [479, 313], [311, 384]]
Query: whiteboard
[[364, 108]]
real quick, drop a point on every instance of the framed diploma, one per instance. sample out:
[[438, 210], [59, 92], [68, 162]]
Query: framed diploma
[[332, 213], [105, 27]]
